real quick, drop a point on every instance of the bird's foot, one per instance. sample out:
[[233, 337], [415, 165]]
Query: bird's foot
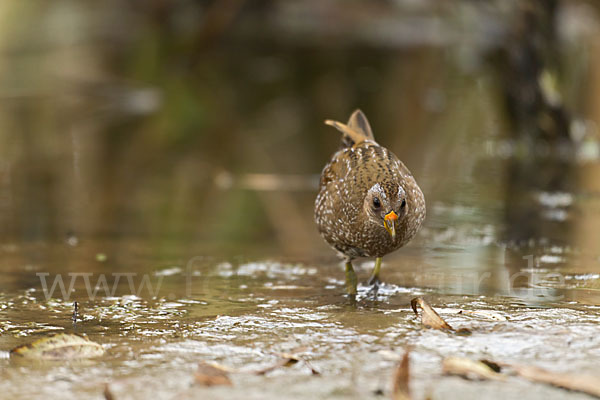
[[374, 282]]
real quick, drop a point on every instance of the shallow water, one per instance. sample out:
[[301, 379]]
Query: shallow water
[[165, 174], [161, 307], [239, 312], [160, 310]]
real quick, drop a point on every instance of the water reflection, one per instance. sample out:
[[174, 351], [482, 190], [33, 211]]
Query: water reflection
[[120, 156], [165, 156]]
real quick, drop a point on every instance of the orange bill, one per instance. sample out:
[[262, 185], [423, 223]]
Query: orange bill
[[389, 223]]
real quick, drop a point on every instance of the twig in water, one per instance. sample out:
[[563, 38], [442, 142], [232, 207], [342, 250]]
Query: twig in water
[[75, 312]]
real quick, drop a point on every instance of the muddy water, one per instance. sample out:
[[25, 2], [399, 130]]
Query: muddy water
[[167, 183], [159, 313]]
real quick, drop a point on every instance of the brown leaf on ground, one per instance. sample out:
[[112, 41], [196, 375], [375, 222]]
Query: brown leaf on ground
[[484, 369], [108, 394], [62, 346], [579, 383], [401, 389], [284, 362], [493, 365], [212, 375], [470, 369], [287, 359], [429, 318]]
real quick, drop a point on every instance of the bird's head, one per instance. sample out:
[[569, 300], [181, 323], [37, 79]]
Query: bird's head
[[385, 205]]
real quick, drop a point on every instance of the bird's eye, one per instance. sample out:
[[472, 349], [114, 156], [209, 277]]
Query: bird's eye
[[403, 203], [376, 202]]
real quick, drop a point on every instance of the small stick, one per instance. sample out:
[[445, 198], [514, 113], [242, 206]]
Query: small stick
[[75, 312]]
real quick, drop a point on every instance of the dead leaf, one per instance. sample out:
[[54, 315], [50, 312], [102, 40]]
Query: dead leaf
[[287, 359], [401, 389], [579, 383], [212, 375], [284, 362], [494, 366], [429, 318], [108, 395], [61, 346], [485, 369], [470, 369]]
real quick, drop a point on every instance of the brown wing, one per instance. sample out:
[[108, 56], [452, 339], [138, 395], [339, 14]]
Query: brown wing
[[336, 169]]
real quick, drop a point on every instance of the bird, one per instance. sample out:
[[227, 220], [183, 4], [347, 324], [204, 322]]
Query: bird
[[369, 204]]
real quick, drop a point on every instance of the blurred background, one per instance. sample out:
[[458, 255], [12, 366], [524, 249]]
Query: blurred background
[[159, 125], [184, 140]]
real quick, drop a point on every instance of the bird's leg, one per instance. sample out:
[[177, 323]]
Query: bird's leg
[[374, 279], [351, 281]]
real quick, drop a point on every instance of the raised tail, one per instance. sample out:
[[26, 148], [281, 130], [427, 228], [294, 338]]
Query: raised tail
[[356, 131]]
